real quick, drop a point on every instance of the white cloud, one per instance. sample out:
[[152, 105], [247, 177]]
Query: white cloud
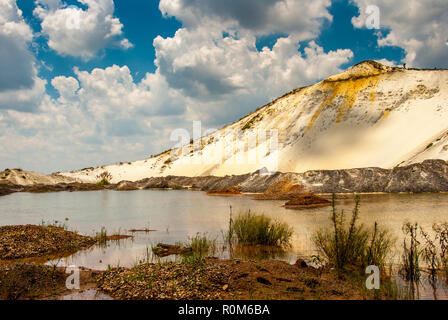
[[419, 27], [303, 18], [210, 70], [72, 31], [20, 88], [223, 74]]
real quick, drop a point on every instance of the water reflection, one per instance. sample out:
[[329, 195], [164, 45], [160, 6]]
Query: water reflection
[[177, 215]]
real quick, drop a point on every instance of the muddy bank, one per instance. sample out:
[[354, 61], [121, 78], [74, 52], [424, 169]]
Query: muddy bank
[[224, 279], [8, 188], [19, 242], [428, 176], [232, 191], [307, 201]]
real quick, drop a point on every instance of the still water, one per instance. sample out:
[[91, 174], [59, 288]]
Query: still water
[[177, 215]]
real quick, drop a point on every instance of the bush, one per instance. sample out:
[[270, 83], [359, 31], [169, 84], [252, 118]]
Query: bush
[[259, 229], [352, 244], [105, 178]]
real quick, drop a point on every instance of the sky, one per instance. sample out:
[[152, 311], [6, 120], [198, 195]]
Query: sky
[[93, 82]]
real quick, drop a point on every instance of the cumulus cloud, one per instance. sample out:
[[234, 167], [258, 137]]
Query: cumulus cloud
[[102, 116], [214, 61], [16, 62], [300, 17], [73, 31], [210, 70], [419, 27], [20, 88]]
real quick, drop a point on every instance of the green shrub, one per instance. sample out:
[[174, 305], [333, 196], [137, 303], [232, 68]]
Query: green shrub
[[352, 244], [105, 178], [259, 229]]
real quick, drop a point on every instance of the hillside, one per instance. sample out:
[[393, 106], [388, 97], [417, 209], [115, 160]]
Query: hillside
[[368, 116]]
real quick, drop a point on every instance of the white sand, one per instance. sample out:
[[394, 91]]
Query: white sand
[[363, 117]]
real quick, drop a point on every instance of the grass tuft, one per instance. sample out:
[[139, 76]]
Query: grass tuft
[[258, 229]]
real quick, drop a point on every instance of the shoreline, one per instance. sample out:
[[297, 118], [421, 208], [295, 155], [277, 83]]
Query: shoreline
[[430, 176]]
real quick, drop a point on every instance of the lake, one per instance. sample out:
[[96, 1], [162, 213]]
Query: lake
[[177, 215]]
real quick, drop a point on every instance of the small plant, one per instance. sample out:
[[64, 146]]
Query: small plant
[[351, 244], [258, 229], [104, 178], [411, 254], [430, 254], [201, 244], [101, 236], [441, 231]]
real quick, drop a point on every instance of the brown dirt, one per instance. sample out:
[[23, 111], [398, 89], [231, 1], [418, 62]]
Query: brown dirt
[[285, 189], [71, 187], [227, 192], [307, 201], [18, 242], [225, 279], [29, 281], [23, 281]]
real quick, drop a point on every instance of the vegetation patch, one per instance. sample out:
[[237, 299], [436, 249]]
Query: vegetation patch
[[259, 229], [252, 122], [104, 178], [351, 245]]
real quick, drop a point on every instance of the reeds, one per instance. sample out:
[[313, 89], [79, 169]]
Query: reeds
[[202, 244], [419, 246], [258, 229]]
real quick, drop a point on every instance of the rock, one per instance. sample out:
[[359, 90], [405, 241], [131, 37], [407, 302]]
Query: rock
[[127, 186], [301, 263], [164, 250]]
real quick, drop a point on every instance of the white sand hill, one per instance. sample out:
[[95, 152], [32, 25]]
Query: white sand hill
[[368, 116]]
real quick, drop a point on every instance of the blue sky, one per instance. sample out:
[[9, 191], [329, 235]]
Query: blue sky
[[112, 86], [143, 21]]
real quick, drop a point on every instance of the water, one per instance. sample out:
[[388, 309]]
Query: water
[[177, 215]]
